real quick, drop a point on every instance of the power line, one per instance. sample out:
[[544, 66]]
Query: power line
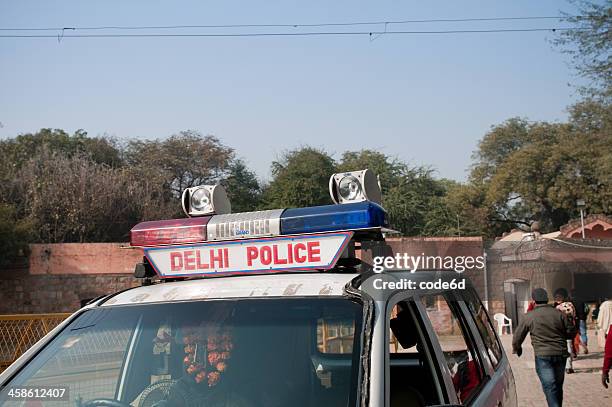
[[281, 34], [334, 24]]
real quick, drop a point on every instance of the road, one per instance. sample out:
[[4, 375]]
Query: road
[[581, 389]]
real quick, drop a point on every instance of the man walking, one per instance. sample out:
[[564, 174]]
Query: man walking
[[549, 332]]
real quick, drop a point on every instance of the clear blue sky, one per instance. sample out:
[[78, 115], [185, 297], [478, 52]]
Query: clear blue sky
[[426, 99]]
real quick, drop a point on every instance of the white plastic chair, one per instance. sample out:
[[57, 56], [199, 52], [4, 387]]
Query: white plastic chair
[[502, 321]]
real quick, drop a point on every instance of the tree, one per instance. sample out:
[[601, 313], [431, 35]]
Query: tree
[[74, 199], [14, 234], [388, 169], [537, 171], [300, 178], [463, 211], [15, 152], [183, 160], [590, 46], [243, 189], [75, 188], [409, 193]]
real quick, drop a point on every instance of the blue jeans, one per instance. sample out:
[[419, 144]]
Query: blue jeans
[[551, 371], [583, 332]]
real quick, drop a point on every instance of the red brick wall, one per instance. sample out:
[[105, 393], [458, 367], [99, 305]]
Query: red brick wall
[[59, 276], [28, 294], [83, 258]]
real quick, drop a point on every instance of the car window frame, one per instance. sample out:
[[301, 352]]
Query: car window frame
[[433, 354], [494, 367], [480, 351], [457, 306]]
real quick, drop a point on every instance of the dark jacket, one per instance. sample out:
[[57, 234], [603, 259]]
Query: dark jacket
[[581, 310], [549, 330]]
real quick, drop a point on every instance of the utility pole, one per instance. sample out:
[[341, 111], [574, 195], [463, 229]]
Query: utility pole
[[580, 203]]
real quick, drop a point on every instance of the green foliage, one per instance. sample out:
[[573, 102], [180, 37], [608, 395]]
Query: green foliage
[[242, 186], [590, 46], [409, 194], [389, 170], [300, 178], [74, 199], [15, 152], [183, 160], [14, 234], [83, 189], [537, 171]]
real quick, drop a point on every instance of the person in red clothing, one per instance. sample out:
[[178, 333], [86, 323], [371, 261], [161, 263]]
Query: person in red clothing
[[466, 378], [530, 306], [605, 378]]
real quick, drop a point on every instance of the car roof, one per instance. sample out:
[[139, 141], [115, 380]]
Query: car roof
[[253, 286]]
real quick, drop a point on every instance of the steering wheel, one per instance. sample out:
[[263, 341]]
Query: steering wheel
[[104, 403]]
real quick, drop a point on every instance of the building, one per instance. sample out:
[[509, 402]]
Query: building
[[521, 261]]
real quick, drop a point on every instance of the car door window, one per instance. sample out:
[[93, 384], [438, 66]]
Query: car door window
[[485, 327], [413, 378], [456, 345], [86, 359]]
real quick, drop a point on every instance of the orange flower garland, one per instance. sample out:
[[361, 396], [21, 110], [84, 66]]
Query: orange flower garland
[[207, 359]]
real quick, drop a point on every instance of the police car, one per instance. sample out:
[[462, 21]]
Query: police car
[[265, 309]]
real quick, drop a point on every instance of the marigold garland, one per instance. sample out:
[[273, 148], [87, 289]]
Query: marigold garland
[[206, 358]]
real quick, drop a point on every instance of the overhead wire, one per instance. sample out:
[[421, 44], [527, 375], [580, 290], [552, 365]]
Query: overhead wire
[[295, 25], [288, 34]]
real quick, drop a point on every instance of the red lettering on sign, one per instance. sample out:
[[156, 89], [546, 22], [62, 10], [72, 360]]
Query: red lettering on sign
[[199, 264], [252, 254], [298, 257], [226, 257], [176, 261], [276, 259], [266, 255], [314, 251], [189, 260], [290, 253], [218, 258]]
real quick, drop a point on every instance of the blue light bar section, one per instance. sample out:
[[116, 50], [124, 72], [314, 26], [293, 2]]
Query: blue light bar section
[[327, 218]]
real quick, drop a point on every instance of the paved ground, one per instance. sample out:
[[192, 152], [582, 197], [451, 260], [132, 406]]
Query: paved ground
[[581, 389]]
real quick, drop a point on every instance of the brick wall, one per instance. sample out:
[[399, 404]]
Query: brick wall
[[59, 276]]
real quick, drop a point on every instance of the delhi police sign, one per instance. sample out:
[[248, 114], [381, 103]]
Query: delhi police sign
[[286, 253]]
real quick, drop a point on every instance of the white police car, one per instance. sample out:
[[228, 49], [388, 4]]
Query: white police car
[[265, 309]]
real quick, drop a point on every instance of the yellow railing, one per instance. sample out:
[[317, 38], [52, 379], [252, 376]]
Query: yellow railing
[[19, 332]]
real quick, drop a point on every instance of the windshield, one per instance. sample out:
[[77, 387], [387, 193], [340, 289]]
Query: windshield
[[259, 352]]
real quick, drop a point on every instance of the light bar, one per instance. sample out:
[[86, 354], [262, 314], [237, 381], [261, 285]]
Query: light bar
[[327, 218], [169, 232]]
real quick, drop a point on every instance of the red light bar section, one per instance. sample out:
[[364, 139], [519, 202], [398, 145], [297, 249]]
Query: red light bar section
[[169, 232]]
